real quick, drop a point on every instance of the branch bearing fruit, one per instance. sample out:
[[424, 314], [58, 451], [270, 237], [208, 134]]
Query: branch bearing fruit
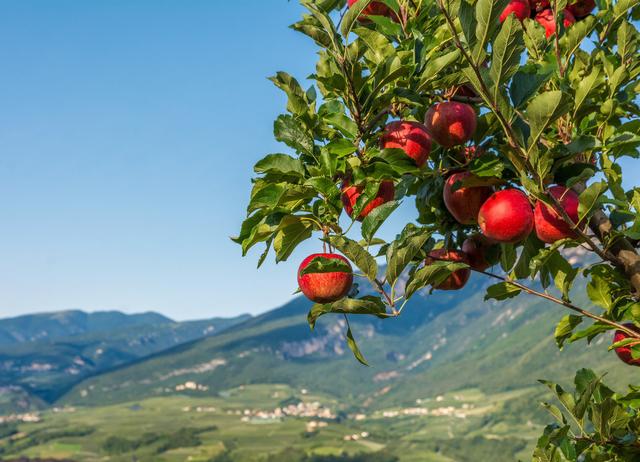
[[582, 8], [411, 137], [475, 247], [374, 9], [457, 279], [624, 352], [550, 226], [451, 123], [506, 217], [325, 287], [464, 203], [350, 195], [545, 19], [520, 8]]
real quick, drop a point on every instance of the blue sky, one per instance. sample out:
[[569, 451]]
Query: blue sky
[[128, 130]]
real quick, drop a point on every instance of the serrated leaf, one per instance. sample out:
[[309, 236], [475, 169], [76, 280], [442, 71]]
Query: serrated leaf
[[366, 305], [544, 109], [351, 16], [433, 274], [590, 198], [357, 254], [353, 346], [487, 14], [376, 218], [293, 230], [279, 163], [400, 254], [506, 51], [502, 291], [565, 328]]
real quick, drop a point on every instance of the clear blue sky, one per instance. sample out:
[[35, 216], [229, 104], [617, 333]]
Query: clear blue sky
[[128, 130]]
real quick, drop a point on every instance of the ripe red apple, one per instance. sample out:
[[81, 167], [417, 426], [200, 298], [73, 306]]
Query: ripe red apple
[[457, 279], [506, 216], [550, 226], [475, 247], [374, 9], [464, 203], [624, 352], [582, 8], [325, 287], [545, 18], [520, 8], [411, 137], [451, 123], [350, 195]]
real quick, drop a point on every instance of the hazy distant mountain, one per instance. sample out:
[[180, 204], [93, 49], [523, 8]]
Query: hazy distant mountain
[[446, 341], [44, 355]]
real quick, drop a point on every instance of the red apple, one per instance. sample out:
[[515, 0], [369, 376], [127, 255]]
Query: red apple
[[506, 216], [457, 279], [451, 123], [325, 287], [624, 352], [374, 9], [582, 8], [550, 226], [350, 195], [546, 19], [411, 137], [475, 247], [520, 8], [464, 203]]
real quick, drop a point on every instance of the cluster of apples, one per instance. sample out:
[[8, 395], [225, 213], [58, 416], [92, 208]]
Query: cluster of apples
[[503, 216], [540, 10]]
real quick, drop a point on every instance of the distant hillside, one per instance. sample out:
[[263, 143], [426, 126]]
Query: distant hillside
[[43, 326], [442, 342], [44, 355]]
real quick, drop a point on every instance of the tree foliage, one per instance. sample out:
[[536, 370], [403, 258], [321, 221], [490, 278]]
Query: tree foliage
[[559, 110]]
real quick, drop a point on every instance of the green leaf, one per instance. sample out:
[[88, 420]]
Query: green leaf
[[590, 198], [508, 256], [565, 398], [353, 346], [366, 305], [297, 103], [433, 274], [279, 163], [351, 16], [289, 131], [506, 51], [487, 14], [502, 291], [357, 254], [322, 264], [376, 218], [402, 252], [487, 166], [436, 66], [525, 84], [586, 86], [565, 328], [544, 109], [599, 292], [293, 230]]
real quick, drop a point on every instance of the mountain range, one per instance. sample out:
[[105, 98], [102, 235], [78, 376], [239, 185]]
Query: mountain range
[[443, 344]]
